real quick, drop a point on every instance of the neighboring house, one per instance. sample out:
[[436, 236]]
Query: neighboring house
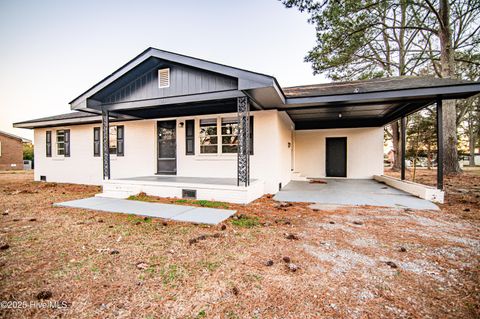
[[466, 159], [11, 151], [224, 132]]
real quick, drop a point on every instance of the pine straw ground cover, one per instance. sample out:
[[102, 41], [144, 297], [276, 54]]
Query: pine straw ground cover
[[361, 262]]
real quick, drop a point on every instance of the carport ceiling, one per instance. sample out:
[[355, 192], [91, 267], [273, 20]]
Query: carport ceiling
[[368, 103], [344, 115]]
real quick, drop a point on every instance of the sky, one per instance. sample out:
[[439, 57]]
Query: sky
[[52, 51]]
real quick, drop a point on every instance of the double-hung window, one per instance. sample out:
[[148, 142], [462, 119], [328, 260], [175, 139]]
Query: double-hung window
[[113, 140], [208, 136], [116, 140], [221, 136], [61, 142], [229, 135]]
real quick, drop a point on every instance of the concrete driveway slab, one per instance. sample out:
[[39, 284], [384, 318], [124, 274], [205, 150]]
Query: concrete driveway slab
[[351, 192]]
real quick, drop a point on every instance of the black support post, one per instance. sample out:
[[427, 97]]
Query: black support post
[[243, 151], [439, 144], [403, 143], [106, 144]]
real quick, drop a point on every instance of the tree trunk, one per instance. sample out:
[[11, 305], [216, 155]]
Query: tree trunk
[[471, 146], [429, 156], [396, 138], [397, 155], [450, 154], [450, 160]]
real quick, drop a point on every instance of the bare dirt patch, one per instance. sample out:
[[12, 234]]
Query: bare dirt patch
[[462, 190], [360, 262]]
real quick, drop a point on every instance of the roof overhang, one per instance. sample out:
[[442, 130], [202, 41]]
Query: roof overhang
[[247, 80], [348, 104], [369, 108]]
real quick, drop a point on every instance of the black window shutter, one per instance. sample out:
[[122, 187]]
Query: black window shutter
[[49, 143], [96, 141], [120, 140], [67, 143], [190, 137], [251, 135]]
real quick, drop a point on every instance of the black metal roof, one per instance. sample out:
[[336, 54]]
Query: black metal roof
[[65, 116], [339, 104], [370, 102], [362, 86], [331, 105]]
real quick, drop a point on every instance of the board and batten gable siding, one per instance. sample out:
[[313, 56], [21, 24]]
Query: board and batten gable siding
[[183, 81], [364, 151]]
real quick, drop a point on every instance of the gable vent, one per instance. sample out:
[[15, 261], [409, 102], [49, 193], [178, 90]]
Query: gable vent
[[164, 78]]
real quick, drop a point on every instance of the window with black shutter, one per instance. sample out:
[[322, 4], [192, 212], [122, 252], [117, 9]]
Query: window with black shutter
[[67, 143], [49, 143], [190, 137], [120, 140], [96, 141]]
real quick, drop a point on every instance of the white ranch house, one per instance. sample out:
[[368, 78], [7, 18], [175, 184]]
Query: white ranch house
[[177, 126]]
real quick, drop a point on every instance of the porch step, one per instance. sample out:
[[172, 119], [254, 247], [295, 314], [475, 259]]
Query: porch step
[[114, 194], [204, 188], [117, 190], [297, 176]]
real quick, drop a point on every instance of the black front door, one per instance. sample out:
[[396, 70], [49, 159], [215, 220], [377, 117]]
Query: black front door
[[336, 157], [167, 147]]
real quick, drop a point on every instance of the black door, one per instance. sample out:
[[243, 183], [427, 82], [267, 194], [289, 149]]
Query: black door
[[167, 147], [336, 156]]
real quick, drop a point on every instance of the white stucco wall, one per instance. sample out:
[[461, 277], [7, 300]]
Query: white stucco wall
[[270, 162], [364, 151], [266, 163], [82, 167]]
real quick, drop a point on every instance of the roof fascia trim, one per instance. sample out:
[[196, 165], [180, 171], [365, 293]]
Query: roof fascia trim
[[465, 88]]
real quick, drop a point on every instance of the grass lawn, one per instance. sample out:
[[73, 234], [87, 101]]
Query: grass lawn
[[266, 262]]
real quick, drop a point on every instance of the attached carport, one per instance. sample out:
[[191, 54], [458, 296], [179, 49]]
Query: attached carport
[[351, 192], [376, 103]]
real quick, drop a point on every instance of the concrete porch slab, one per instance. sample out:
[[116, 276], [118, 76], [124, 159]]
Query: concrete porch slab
[[351, 192], [200, 215]]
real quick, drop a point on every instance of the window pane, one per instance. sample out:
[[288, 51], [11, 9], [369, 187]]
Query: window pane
[[229, 148], [208, 122], [208, 149], [60, 136], [208, 130], [229, 139]]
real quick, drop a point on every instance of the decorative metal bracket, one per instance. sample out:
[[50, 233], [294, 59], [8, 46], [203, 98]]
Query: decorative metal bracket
[[106, 144], [243, 152]]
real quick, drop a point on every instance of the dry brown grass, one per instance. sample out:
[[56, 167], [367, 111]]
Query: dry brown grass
[[462, 191], [342, 257]]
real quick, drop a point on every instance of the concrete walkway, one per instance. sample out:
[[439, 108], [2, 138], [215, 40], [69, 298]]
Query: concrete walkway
[[200, 215], [351, 192]]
